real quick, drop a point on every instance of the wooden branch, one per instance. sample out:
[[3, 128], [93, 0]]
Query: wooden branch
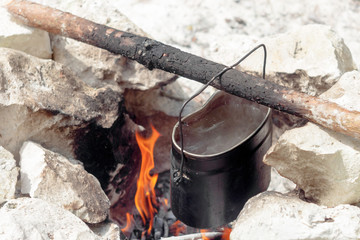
[[154, 54], [194, 236]]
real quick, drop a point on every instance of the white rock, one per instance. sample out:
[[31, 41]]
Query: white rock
[[96, 66], [29, 40], [44, 101], [33, 219], [325, 164], [271, 215], [106, 230], [8, 175], [310, 58], [45, 84], [52, 177], [280, 184], [4, 2]]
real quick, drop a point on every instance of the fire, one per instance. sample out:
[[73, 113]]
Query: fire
[[166, 201], [145, 194], [203, 235], [128, 223], [177, 228], [145, 197], [226, 234]]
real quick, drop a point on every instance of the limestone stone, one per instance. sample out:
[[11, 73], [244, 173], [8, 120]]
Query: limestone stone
[[52, 177], [96, 66], [8, 175], [323, 163], [106, 230], [280, 184], [44, 101], [45, 84], [29, 40], [309, 58], [272, 215], [32, 219]]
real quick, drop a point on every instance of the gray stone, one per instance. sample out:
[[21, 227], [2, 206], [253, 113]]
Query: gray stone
[[45, 84], [52, 177], [45, 101], [106, 230], [98, 67], [271, 215], [32, 219], [323, 163], [8, 175]]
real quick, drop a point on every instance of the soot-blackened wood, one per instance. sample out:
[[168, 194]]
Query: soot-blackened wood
[[154, 54]]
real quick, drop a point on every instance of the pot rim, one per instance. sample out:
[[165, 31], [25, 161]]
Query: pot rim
[[192, 155]]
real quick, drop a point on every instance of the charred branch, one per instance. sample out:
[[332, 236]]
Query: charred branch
[[154, 54], [194, 236]]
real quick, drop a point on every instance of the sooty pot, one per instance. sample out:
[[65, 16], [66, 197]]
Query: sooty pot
[[224, 143]]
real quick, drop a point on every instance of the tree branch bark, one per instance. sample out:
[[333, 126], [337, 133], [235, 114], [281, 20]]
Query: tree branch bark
[[154, 54]]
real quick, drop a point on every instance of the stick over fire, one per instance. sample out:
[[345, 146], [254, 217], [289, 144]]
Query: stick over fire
[[154, 54]]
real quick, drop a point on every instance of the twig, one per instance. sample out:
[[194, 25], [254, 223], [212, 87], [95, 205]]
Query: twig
[[194, 236], [154, 54]]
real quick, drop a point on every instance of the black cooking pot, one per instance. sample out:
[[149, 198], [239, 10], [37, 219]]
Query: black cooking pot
[[224, 143]]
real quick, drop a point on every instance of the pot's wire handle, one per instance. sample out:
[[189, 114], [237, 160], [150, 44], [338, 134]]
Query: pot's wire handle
[[178, 174]]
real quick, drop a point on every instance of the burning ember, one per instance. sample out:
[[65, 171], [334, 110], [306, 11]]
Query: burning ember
[[149, 206], [226, 234], [177, 228], [203, 236], [128, 223]]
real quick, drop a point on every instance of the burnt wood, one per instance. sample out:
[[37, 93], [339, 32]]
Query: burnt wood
[[154, 54]]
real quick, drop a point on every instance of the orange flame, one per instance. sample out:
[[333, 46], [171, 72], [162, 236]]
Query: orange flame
[[226, 234], [177, 227], [145, 193], [166, 201], [203, 235], [128, 223]]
